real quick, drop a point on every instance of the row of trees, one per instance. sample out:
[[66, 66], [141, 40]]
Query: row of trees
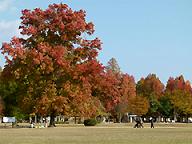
[[54, 70]]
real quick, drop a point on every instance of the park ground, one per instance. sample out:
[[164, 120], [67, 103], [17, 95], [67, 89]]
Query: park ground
[[101, 134]]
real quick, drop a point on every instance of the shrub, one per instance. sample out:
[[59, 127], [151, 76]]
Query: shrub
[[90, 122]]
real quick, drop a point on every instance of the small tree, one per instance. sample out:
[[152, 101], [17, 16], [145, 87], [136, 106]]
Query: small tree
[[113, 66]]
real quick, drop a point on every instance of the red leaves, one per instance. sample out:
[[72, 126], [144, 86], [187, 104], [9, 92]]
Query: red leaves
[[56, 61], [114, 88], [58, 17], [127, 88], [178, 84], [90, 28], [14, 49], [151, 85], [25, 12], [58, 6], [96, 43], [31, 30], [179, 92]]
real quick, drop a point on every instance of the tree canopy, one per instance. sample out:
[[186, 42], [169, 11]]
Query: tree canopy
[[55, 64], [54, 69]]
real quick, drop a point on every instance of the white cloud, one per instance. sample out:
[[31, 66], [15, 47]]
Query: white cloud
[[8, 29], [6, 5]]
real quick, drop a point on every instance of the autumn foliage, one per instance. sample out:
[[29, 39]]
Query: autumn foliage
[[55, 64], [53, 69], [179, 93]]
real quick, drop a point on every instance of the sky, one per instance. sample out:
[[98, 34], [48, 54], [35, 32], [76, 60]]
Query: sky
[[144, 36]]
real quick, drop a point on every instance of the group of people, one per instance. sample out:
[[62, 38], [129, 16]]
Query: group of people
[[41, 124], [139, 122]]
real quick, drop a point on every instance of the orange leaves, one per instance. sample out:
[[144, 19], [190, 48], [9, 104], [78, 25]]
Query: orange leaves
[[46, 104], [58, 53], [80, 100], [179, 92], [127, 87], [56, 61], [138, 105], [36, 61], [49, 101], [43, 105], [151, 85], [151, 89]]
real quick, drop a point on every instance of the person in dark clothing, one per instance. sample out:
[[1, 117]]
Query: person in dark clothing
[[138, 123], [151, 120]]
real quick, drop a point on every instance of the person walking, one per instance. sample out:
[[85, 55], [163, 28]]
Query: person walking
[[151, 120], [139, 123]]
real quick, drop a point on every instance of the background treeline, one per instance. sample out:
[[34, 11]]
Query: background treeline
[[54, 70]]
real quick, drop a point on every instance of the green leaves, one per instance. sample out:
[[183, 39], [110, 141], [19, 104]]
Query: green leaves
[[166, 108], [152, 89]]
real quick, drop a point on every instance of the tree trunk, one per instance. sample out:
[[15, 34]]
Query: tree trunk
[[175, 115], [119, 117], [52, 120], [35, 119], [75, 120]]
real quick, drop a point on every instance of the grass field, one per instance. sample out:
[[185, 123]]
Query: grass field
[[110, 134]]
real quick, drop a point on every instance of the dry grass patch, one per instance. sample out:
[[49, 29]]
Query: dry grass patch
[[97, 135]]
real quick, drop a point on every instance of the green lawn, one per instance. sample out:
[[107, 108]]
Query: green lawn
[[98, 135]]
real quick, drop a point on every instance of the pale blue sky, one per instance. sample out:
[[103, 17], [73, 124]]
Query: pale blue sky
[[145, 36]]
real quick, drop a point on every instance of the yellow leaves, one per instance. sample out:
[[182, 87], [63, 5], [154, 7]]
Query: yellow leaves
[[17, 73], [139, 105], [182, 101], [60, 104]]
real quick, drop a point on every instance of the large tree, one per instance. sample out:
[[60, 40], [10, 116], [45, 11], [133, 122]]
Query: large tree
[[127, 91], [52, 63], [179, 93], [152, 89], [117, 89]]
